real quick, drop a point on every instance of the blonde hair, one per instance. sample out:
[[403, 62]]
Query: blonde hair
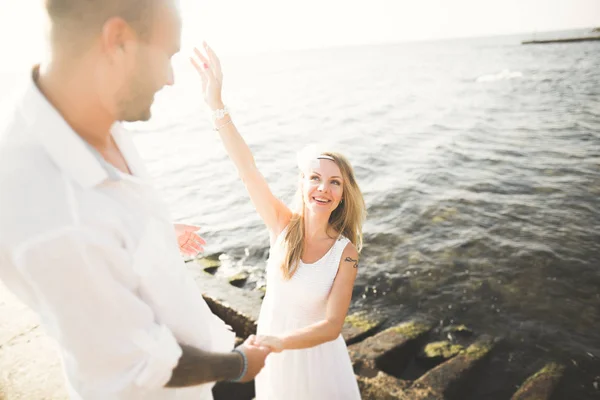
[[347, 219]]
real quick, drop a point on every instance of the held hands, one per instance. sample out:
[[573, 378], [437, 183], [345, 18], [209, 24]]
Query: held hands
[[190, 243], [209, 68], [272, 342], [256, 355]]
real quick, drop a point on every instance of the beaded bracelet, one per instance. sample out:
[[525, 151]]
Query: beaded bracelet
[[245, 367], [220, 113], [216, 128]]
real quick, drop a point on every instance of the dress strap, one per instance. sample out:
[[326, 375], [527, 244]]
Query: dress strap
[[339, 247]]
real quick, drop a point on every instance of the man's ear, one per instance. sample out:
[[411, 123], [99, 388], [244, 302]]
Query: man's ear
[[116, 32]]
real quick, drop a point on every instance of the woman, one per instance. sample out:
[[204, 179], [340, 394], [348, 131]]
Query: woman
[[312, 264]]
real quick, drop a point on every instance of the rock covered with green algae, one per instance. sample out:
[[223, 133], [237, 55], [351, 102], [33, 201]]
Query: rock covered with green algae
[[359, 325], [447, 379], [480, 349], [442, 350], [238, 279], [210, 263], [411, 329], [541, 385], [361, 320], [383, 387]]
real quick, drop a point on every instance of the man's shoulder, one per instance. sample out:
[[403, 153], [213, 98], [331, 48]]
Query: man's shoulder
[[12, 103], [32, 190], [21, 153], [12, 123], [23, 162]]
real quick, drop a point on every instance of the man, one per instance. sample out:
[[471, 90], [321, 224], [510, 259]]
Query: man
[[84, 240]]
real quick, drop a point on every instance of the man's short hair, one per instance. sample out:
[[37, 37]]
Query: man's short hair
[[80, 19]]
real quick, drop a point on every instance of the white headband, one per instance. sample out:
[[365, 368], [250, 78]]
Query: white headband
[[325, 157], [308, 158]]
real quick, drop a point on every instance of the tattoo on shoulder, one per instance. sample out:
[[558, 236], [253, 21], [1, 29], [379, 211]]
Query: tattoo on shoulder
[[352, 260]]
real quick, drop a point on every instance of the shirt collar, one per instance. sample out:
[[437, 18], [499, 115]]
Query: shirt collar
[[111, 172], [73, 155], [123, 139]]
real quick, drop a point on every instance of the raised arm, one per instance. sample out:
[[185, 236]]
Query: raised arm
[[273, 211], [338, 303]]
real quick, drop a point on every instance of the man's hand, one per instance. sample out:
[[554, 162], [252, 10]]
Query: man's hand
[[196, 366], [256, 355], [190, 243]]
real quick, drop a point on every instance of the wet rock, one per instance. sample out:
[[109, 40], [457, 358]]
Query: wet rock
[[210, 263], [360, 325], [211, 270], [458, 331], [438, 352], [382, 387], [238, 307], [389, 351], [262, 290], [541, 385], [238, 280], [233, 390], [450, 378], [213, 256], [444, 215], [416, 257]]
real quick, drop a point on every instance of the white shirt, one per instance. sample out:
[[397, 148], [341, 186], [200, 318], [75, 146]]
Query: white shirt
[[94, 253]]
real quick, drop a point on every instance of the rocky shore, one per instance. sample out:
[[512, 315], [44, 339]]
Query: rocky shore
[[403, 361]]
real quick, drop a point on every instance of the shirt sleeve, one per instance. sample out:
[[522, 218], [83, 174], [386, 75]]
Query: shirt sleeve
[[85, 287]]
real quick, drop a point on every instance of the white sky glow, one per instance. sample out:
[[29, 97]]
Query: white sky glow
[[240, 26]]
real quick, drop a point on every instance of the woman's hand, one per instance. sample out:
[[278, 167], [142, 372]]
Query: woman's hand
[[209, 68], [190, 243], [273, 342]]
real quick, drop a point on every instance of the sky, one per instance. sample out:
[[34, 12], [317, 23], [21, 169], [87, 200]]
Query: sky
[[241, 26]]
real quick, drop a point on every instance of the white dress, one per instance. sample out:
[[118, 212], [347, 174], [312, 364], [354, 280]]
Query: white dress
[[323, 372]]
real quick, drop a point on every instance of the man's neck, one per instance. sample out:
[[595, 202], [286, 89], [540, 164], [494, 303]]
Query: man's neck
[[69, 92]]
